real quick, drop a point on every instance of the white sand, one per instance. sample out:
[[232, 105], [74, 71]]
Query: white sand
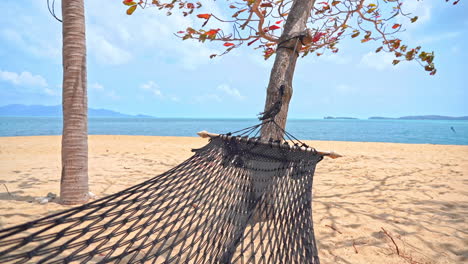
[[417, 193]]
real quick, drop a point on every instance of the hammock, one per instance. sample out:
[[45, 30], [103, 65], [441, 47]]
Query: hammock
[[236, 200]]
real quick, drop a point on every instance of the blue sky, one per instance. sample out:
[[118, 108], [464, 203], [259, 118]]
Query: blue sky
[[136, 65]]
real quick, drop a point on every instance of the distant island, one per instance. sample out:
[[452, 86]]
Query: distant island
[[424, 117], [20, 110], [341, 117]]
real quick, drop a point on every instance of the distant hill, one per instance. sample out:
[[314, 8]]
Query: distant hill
[[55, 111], [343, 117], [424, 117]]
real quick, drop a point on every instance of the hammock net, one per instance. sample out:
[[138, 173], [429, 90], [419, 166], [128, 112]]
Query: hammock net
[[236, 200]]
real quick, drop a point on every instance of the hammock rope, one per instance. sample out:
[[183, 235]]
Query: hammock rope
[[236, 200]]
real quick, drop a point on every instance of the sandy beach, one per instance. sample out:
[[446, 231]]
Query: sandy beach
[[380, 203]]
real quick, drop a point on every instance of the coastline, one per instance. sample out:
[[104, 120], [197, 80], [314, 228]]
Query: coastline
[[416, 192], [395, 131], [309, 142]]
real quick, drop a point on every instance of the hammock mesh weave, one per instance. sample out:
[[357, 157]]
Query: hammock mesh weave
[[233, 201]]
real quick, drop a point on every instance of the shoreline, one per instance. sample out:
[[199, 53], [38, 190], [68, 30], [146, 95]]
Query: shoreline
[[416, 192], [305, 140]]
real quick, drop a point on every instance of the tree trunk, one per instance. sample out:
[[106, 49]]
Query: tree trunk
[[283, 68], [74, 179]]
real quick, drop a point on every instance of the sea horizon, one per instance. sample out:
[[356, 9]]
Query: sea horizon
[[441, 132]]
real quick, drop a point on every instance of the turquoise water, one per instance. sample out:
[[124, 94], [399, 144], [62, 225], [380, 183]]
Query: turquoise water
[[398, 131]]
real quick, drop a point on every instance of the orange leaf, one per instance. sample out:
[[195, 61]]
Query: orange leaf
[[334, 3], [205, 16], [191, 30], [251, 42], [190, 5], [228, 44], [212, 32], [266, 5], [131, 9], [396, 26], [128, 2], [274, 27]]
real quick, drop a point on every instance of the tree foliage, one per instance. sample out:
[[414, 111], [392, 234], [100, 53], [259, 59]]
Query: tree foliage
[[259, 23]]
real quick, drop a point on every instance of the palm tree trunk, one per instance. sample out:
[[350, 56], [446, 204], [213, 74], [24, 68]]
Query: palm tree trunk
[[74, 179], [284, 66]]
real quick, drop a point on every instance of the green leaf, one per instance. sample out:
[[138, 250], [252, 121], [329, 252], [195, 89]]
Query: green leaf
[[429, 67], [414, 19], [409, 55], [430, 57], [131, 9], [423, 56], [202, 38]]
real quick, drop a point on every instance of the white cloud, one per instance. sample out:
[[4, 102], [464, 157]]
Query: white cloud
[[106, 52], [112, 95], [116, 38], [34, 33], [32, 43], [23, 79], [345, 89], [232, 92], [99, 88], [440, 37], [422, 9], [455, 49], [207, 98], [379, 61], [336, 58], [28, 82], [152, 87], [96, 86], [256, 57], [50, 91], [113, 38]]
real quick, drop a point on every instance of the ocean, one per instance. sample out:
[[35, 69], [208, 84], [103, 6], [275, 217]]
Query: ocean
[[397, 131]]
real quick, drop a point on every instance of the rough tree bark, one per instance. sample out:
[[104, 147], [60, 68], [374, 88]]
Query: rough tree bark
[[284, 66], [74, 179]]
